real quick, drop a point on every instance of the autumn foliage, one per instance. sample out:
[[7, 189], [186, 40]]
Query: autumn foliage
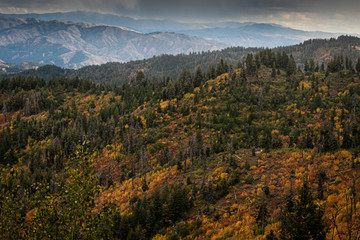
[[256, 150]]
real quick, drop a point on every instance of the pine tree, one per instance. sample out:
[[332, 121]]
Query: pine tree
[[347, 141], [239, 64], [170, 90], [257, 61], [184, 84], [139, 79], [306, 66], [302, 219], [220, 67], [211, 72], [250, 64], [284, 60], [198, 78], [273, 72], [311, 65], [320, 191], [291, 66]]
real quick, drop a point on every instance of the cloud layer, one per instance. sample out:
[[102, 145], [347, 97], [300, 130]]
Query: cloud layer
[[331, 15]]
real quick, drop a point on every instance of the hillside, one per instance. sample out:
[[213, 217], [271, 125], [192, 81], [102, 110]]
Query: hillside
[[244, 153], [74, 45], [320, 50]]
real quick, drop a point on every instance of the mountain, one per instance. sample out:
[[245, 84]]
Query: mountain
[[73, 45], [247, 34], [320, 50]]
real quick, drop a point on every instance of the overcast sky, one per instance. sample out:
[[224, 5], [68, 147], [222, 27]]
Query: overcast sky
[[325, 15]]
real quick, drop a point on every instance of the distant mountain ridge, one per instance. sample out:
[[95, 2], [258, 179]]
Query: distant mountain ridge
[[78, 44], [246, 34], [258, 35]]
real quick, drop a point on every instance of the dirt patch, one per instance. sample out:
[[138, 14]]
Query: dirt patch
[[321, 54]]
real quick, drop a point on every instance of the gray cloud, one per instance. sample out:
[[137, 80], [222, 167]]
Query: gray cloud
[[307, 14]]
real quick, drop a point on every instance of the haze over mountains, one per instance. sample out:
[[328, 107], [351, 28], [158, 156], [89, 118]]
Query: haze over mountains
[[247, 34], [88, 38]]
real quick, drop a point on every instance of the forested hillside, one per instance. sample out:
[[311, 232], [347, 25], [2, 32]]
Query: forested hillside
[[319, 50], [259, 149]]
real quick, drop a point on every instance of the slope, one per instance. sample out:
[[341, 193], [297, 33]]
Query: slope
[[199, 158]]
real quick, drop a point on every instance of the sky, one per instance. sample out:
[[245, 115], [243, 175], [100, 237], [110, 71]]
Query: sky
[[322, 15]]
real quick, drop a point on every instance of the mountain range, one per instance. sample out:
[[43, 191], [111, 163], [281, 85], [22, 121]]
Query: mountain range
[[258, 35], [247, 34], [77, 39], [73, 45]]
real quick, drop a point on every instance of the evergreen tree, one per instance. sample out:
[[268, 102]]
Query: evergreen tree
[[302, 219], [220, 67], [284, 60], [306, 66], [311, 65], [320, 191], [273, 71], [211, 72], [250, 64], [170, 90], [198, 78], [184, 84], [257, 61], [347, 141], [139, 79], [239, 64], [291, 66]]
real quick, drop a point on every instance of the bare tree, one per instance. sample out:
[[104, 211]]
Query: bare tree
[[4, 111]]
